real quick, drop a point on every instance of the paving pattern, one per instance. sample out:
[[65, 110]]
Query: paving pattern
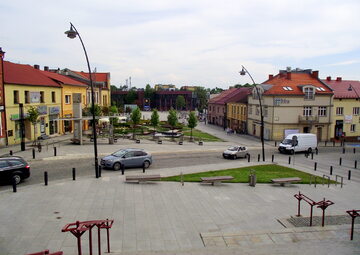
[[317, 220]]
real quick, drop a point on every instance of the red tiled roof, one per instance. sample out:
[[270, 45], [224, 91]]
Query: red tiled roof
[[100, 77], [296, 81], [231, 95], [341, 88], [218, 98], [26, 75], [63, 79]]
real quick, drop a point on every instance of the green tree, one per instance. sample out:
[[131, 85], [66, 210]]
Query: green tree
[[180, 102], [202, 98], [135, 118], [113, 110], [172, 120], [131, 97], [192, 122], [149, 92], [32, 116], [154, 120]]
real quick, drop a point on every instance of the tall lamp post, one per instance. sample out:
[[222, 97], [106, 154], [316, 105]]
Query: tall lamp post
[[244, 72], [72, 33]]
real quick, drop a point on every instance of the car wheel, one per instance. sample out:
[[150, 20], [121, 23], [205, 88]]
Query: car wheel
[[17, 178], [235, 156], [146, 164], [224, 156], [292, 152], [117, 166], [309, 150]]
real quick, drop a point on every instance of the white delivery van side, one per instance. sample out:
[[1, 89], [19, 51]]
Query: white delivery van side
[[305, 142]]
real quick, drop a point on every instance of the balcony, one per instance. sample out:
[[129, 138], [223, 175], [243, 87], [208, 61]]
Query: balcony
[[308, 119]]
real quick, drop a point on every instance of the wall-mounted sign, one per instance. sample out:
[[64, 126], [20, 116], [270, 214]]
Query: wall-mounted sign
[[54, 110], [17, 116], [348, 119], [42, 109], [2, 108], [34, 97], [279, 101]]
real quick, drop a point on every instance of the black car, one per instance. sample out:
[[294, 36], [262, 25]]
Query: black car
[[13, 168]]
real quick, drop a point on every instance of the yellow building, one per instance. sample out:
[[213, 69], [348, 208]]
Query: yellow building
[[26, 86], [346, 110], [158, 87], [237, 116]]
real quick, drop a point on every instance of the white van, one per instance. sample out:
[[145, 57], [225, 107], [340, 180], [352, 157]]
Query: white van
[[298, 142]]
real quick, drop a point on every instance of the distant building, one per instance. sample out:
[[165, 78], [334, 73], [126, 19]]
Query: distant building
[[159, 87]]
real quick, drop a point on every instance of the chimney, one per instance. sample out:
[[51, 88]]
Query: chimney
[[46, 68], [271, 76], [2, 53], [315, 74], [37, 67], [328, 78], [288, 75], [338, 78]]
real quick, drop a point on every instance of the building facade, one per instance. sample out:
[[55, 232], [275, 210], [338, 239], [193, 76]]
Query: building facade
[[3, 134], [293, 101]]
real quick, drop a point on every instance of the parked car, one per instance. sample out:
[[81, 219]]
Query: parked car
[[298, 142], [128, 158], [14, 167], [235, 152]]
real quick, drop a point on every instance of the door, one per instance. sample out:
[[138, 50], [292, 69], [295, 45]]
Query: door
[[129, 159], [319, 134], [254, 129], [306, 130]]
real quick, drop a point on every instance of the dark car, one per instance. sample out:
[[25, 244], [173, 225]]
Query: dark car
[[13, 168], [127, 158]]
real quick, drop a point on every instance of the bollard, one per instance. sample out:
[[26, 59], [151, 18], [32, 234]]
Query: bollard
[[46, 178], [340, 161], [11, 152], [289, 160], [334, 143], [122, 169], [99, 171], [258, 157], [275, 143], [14, 184], [343, 150], [249, 157], [55, 151], [312, 155], [33, 153], [331, 170], [354, 150], [325, 143], [143, 168], [316, 151], [74, 173], [272, 158], [96, 172], [349, 175], [355, 164], [315, 166]]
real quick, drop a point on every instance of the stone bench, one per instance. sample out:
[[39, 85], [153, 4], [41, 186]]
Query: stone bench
[[283, 181], [216, 179], [142, 178]]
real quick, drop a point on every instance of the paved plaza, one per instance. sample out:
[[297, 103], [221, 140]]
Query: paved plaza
[[168, 218]]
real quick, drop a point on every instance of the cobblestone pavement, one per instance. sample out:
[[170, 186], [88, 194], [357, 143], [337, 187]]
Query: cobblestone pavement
[[317, 220]]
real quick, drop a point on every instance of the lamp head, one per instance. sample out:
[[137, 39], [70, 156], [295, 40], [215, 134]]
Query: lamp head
[[242, 72], [71, 33], [350, 88]]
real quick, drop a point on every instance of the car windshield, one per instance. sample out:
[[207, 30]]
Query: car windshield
[[234, 148], [287, 141], [119, 153]]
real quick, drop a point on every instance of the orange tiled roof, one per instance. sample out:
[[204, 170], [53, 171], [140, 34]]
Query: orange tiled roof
[[63, 79], [26, 75], [99, 77], [296, 82]]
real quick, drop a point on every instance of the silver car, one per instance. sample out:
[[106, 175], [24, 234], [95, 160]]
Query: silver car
[[235, 152], [127, 158]]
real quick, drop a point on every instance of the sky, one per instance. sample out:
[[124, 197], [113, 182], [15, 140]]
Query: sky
[[193, 43]]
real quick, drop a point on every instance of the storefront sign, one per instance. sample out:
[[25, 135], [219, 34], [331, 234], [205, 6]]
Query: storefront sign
[[17, 116], [279, 101], [348, 119], [54, 110], [42, 109]]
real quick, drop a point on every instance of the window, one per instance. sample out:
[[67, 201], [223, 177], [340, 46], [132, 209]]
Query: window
[[257, 110], [42, 97], [322, 111], [307, 111], [352, 128], [309, 93], [339, 110], [53, 97], [67, 99], [250, 109], [287, 88], [27, 97], [16, 96], [265, 111], [356, 110]]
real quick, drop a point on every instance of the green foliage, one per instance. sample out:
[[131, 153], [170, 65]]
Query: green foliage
[[216, 90], [180, 102], [201, 95], [131, 97], [113, 109], [88, 110], [244, 85], [172, 118], [105, 110], [149, 92], [33, 114], [154, 118], [136, 116], [192, 122]]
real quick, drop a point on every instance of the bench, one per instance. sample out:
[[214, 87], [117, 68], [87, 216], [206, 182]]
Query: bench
[[216, 179], [142, 178], [283, 181]]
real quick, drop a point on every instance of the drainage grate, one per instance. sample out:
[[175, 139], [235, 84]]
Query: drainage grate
[[329, 220]]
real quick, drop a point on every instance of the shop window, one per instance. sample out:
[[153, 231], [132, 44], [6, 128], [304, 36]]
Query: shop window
[[16, 96]]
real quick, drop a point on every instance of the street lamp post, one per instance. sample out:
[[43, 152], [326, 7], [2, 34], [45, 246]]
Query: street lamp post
[[244, 71], [72, 33]]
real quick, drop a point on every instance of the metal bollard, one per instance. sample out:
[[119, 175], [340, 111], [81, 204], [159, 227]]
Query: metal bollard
[[275, 143], [143, 166], [55, 151], [289, 160], [355, 164], [272, 158], [340, 161], [249, 157], [74, 174], [258, 157], [33, 153], [343, 150], [46, 178], [331, 170], [122, 169], [11, 153], [315, 166], [14, 184], [316, 151], [334, 143], [96, 172], [99, 171], [354, 150], [325, 143], [349, 174], [312, 155]]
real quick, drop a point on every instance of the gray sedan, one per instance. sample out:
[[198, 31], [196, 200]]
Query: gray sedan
[[127, 158], [236, 152]]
